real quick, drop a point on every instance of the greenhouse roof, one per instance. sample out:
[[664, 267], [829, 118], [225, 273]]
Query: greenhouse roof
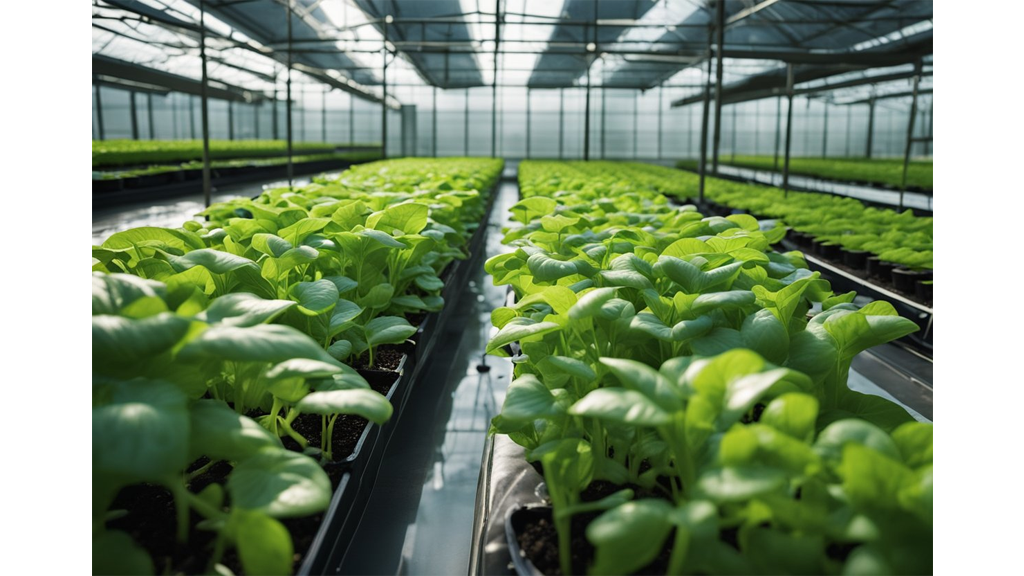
[[633, 44]]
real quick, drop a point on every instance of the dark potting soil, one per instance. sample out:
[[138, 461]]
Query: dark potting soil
[[386, 357], [539, 539], [150, 514], [754, 414]]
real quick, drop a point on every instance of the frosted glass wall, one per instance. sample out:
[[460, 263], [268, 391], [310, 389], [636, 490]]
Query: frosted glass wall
[[624, 124]]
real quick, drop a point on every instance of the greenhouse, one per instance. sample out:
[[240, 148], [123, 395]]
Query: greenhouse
[[512, 287]]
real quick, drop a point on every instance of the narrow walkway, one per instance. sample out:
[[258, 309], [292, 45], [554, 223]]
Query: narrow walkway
[[419, 519]]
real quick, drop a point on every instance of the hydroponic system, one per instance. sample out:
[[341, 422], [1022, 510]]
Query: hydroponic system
[[512, 287]]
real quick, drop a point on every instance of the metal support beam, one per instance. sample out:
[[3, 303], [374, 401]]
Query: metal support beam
[[174, 116], [273, 111], [586, 120], [824, 133], [732, 151], [134, 113], [323, 115], [149, 117], [719, 53], [757, 127], [789, 128], [288, 94], [465, 126], [931, 118], [636, 121], [302, 114], [910, 132], [231, 120], [256, 119], [205, 109], [433, 126], [384, 100], [561, 121], [494, 81], [702, 167], [871, 127], [528, 123], [661, 105], [191, 117], [604, 116], [99, 110], [849, 119], [351, 118], [778, 131]]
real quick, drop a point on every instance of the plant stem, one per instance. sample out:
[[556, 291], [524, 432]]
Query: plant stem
[[330, 437], [200, 471], [679, 549], [181, 500], [292, 433]]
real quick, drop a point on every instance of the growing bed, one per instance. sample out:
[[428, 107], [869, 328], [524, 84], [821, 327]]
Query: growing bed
[[242, 366], [681, 388]]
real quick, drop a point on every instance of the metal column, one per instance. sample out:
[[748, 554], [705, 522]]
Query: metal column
[[351, 119], [149, 114], [871, 127], [586, 118], [273, 111], [561, 121], [99, 109], [719, 53], [323, 115], [757, 127], [433, 128], [789, 128], [732, 152], [256, 119], [494, 83], [134, 113], [288, 95], [528, 93], [661, 93], [849, 118], [636, 121], [384, 100], [778, 130], [910, 131], [702, 167], [604, 116], [465, 126], [231, 120], [191, 117], [204, 110], [824, 133]]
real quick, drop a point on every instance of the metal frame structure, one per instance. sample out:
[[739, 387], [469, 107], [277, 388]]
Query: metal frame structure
[[797, 47]]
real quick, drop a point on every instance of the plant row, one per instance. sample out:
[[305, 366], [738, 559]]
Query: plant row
[[238, 163], [683, 389], [114, 153], [226, 353], [886, 172]]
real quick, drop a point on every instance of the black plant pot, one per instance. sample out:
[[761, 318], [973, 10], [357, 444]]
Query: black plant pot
[[904, 279], [111, 185], [829, 251], [923, 290], [856, 259], [880, 269], [515, 523]]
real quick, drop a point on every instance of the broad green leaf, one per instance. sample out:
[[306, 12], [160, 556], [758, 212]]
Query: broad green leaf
[[366, 403], [264, 544], [243, 309], [220, 433], [620, 405], [692, 279], [215, 261], [794, 414], [181, 240], [270, 343], [388, 330], [117, 340], [519, 329], [140, 431], [914, 439], [728, 300], [115, 553], [837, 435], [646, 380], [270, 244], [383, 238], [527, 399], [280, 483], [343, 317], [872, 480], [527, 209], [590, 303], [303, 368], [628, 537], [113, 292], [765, 334], [314, 298], [408, 217], [737, 484]]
